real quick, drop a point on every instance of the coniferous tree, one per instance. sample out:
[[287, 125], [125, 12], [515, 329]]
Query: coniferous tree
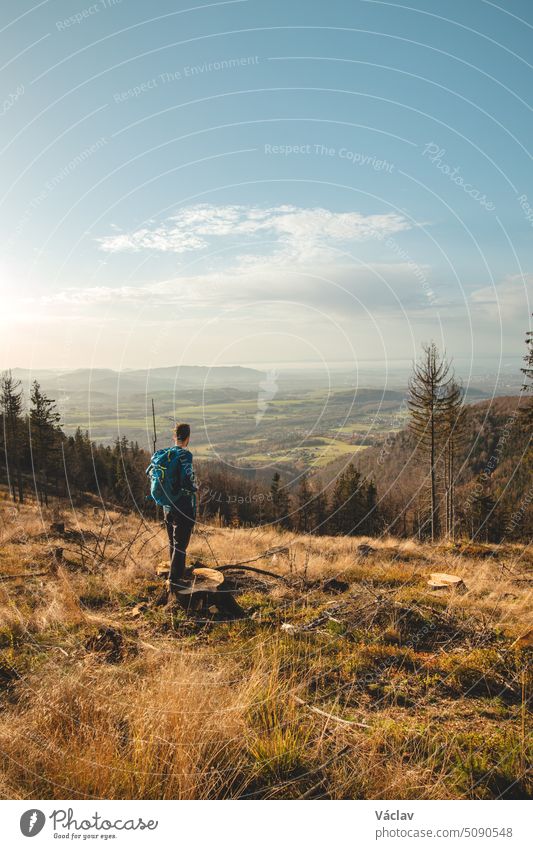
[[304, 515], [428, 390], [121, 482], [482, 512], [348, 503], [320, 512], [372, 518], [11, 403], [44, 424], [279, 502]]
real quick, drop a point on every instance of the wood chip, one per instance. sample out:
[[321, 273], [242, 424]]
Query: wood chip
[[525, 641]]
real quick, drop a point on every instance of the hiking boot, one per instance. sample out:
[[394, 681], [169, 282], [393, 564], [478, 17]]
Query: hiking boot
[[180, 584]]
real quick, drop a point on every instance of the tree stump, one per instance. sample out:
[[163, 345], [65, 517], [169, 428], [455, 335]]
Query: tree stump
[[444, 581], [365, 550], [209, 588], [333, 585]]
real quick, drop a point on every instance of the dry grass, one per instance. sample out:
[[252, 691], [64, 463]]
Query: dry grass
[[98, 700]]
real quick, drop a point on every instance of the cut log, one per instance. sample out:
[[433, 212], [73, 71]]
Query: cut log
[[209, 588], [442, 581]]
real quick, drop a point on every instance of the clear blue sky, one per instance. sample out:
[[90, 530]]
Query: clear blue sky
[[251, 180]]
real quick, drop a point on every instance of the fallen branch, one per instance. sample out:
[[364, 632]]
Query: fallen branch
[[268, 553], [325, 616], [23, 575], [331, 715], [241, 568], [149, 646]]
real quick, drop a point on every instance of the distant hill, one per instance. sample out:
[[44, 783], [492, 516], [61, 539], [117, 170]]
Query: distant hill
[[140, 381]]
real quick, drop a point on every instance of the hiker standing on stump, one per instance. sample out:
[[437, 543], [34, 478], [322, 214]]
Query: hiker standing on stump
[[173, 487]]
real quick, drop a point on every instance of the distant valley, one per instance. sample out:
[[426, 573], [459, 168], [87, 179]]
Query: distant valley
[[247, 417]]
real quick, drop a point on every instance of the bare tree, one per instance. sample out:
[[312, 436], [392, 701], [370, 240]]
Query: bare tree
[[527, 371], [528, 359], [453, 427]]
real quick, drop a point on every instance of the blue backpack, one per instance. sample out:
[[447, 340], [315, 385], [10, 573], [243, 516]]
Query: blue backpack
[[164, 472]]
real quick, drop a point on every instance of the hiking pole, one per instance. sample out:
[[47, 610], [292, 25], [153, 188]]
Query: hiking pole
[[154, 441], [155, 432]]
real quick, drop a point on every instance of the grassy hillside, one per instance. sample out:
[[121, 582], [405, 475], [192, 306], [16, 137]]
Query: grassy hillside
[[369, 686]]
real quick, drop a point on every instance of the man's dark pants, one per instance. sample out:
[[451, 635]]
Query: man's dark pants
[[179, 523]]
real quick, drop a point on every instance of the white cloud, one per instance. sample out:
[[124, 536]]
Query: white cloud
[[328, 286], [295, 231], [511, 298]]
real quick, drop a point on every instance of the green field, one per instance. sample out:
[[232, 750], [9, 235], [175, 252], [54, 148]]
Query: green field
[[306, 429]]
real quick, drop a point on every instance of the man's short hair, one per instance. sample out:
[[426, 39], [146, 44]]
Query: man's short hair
[[182, 431]]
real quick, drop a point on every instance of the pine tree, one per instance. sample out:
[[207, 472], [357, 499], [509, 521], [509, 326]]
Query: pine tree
[[482, 510], [372, 518], [80, 463], [11, 401], [44, 424], [121, 476], [428, 390], [280, 505], [348, 508], [320, 512], [304, 515]]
